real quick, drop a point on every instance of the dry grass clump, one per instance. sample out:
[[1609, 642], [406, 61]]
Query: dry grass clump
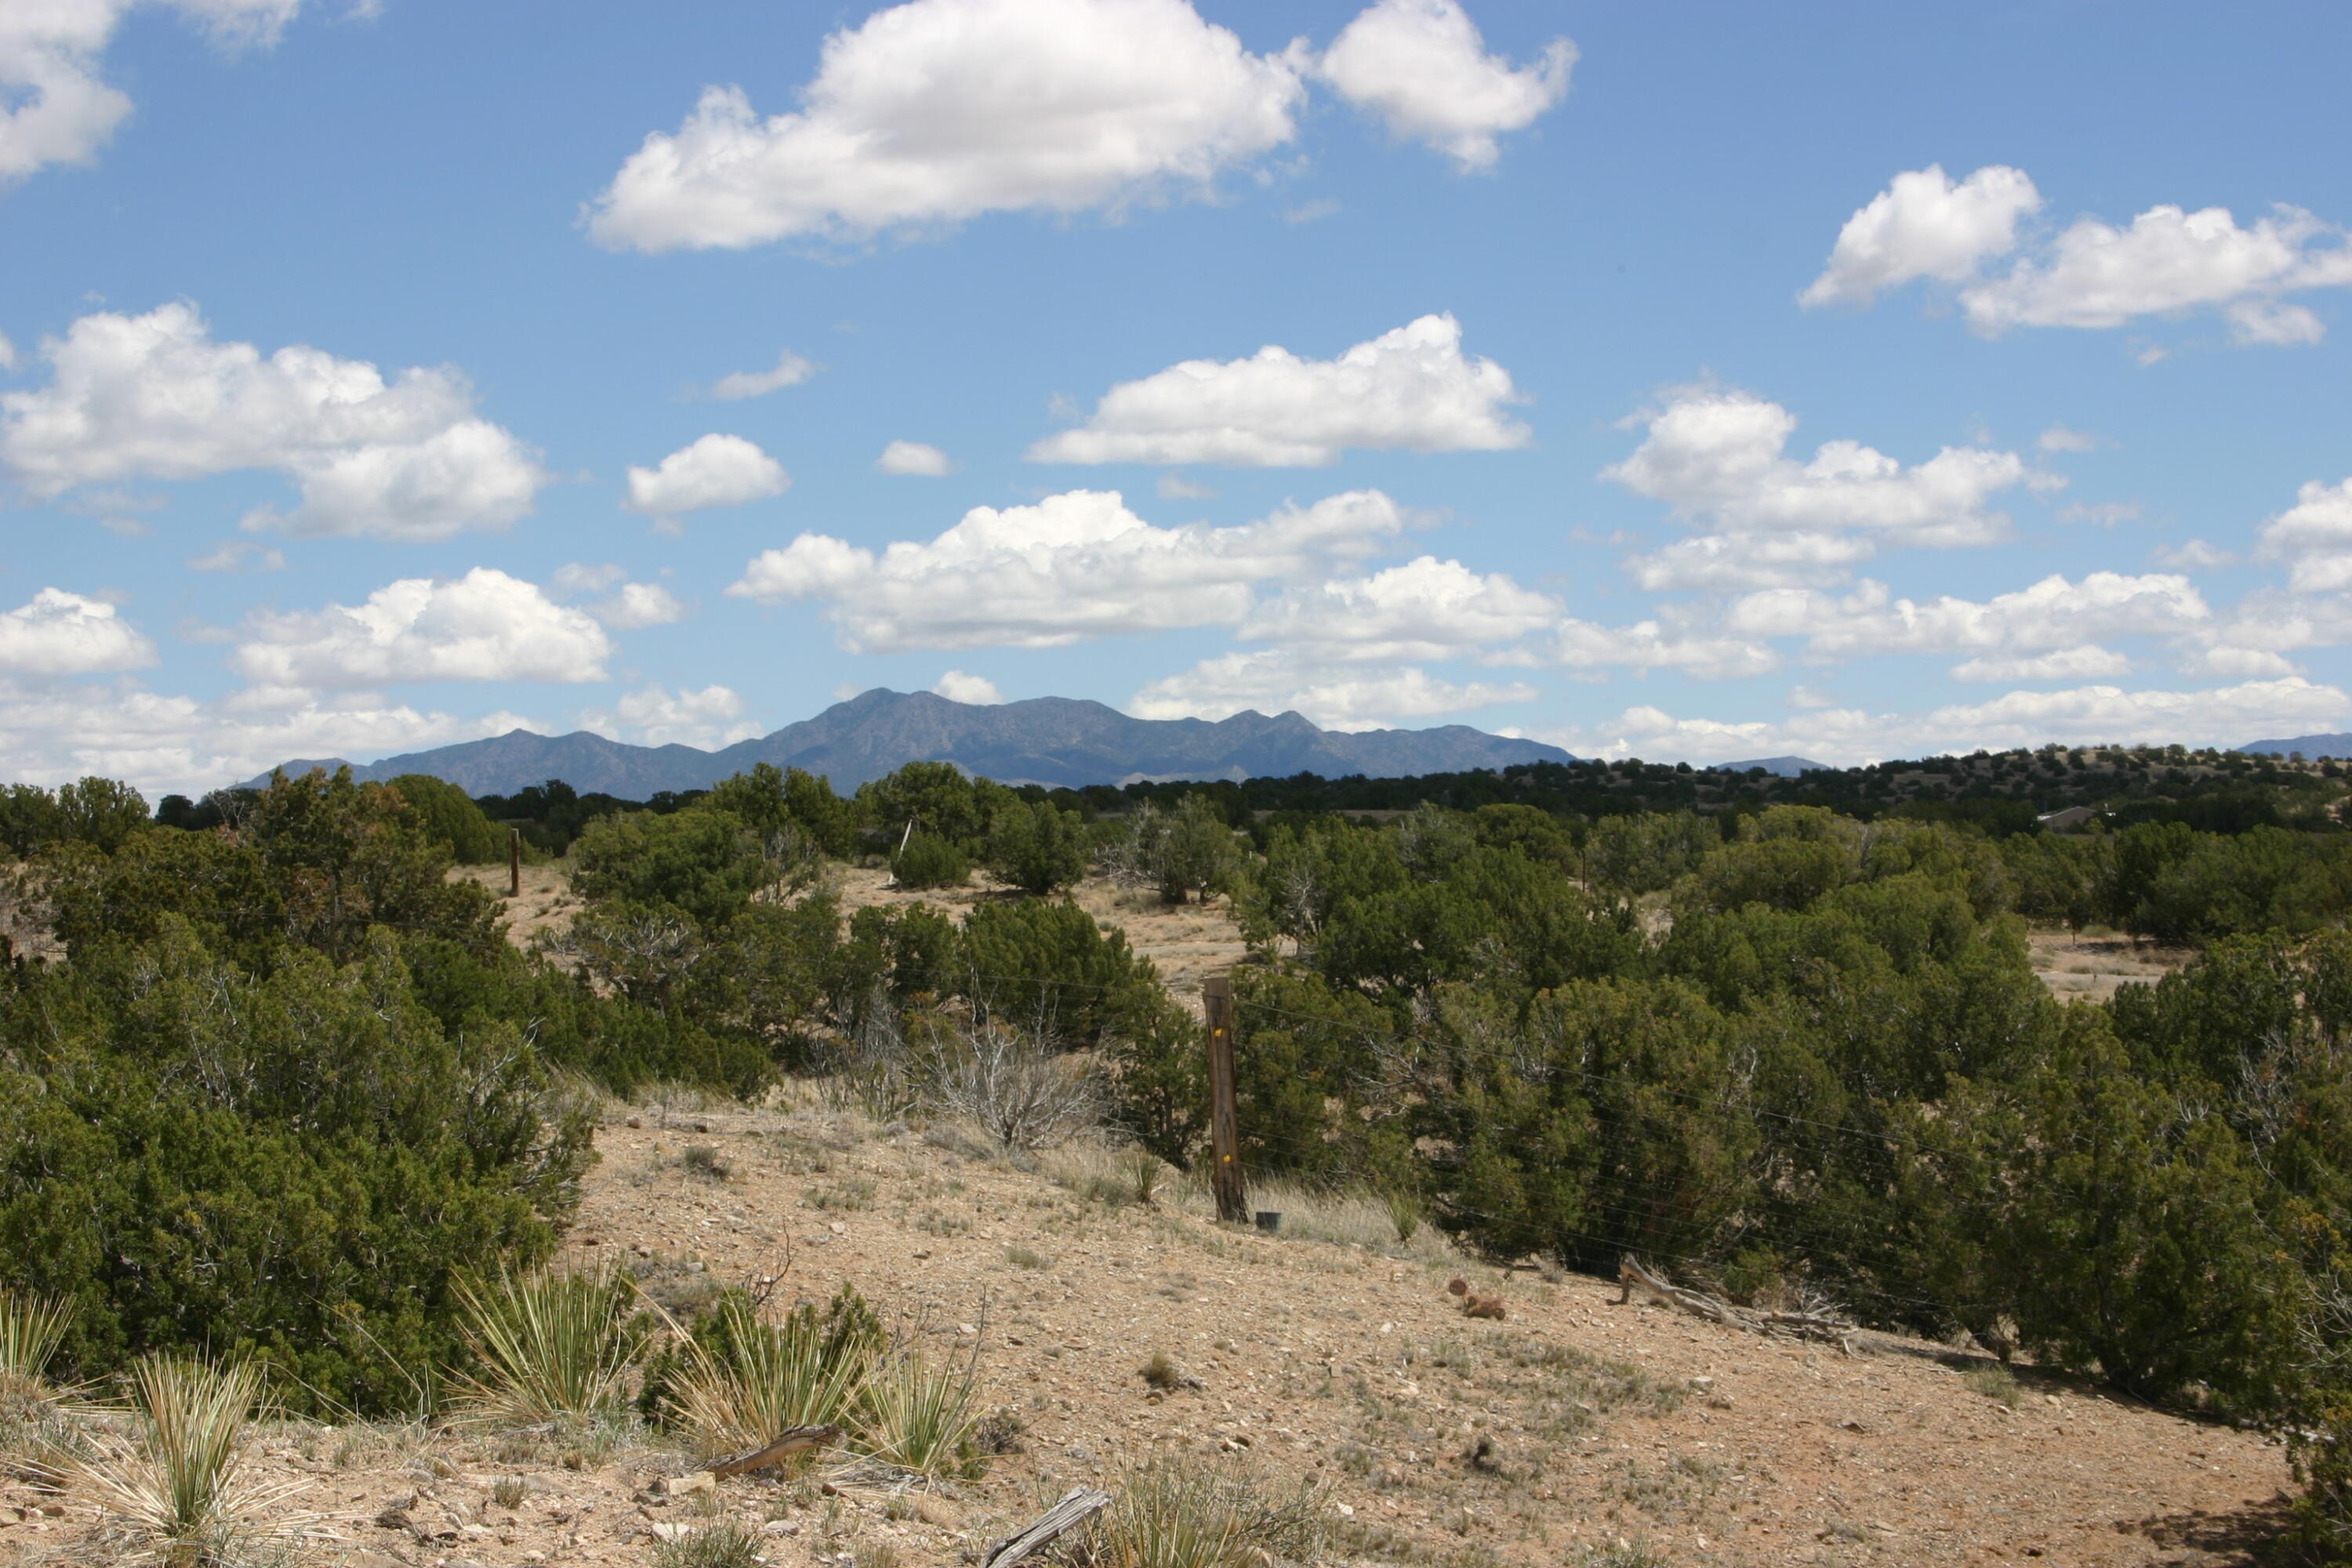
[[552, 1346], [175, 1488], [725, 1544], [1993, 1381], [1171, 1513], [1384, 1222]]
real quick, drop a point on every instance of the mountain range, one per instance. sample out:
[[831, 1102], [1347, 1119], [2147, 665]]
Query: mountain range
[[1051, 741], [2335, 745]]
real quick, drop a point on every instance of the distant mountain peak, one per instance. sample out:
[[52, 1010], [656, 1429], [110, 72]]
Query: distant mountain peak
[[1051, 741]]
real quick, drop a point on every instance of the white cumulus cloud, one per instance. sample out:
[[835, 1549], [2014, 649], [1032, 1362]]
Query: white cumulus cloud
[[2167, 261], [162, 742], [62, 633], [914, 458], [1341, 697], [485, 626], [7, 352], [708, 718], [716, 470], [929, 113], [1425, 608], [2050, 614], [1074, 565], [1924, 226], [626, 607], [2088, 662], [54, 108], [1422, 67], [957, 686], [791, 370], [1409, 389], [2315, 538], [156, 397], [2081, 715], [1719, 456]]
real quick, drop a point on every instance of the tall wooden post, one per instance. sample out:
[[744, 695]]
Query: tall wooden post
[[1224, 1121], [514, 862]]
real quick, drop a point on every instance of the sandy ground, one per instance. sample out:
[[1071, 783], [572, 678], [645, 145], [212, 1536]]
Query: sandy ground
[[2092, 968], [1574, 1425]]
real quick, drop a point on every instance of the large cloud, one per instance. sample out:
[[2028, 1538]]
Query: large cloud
[[936, 111], [53, 107], [1410, 388], [485, 626], [2315, 538], [716, 470], [1078, 564], [159, 743], [1719, 456], [1422, 68], [709, 718], [2079, 715], [1924, 226], [2052, 616], [58, 632], [1337, 696], [2092, 274], [1425, 608], [155, 397]]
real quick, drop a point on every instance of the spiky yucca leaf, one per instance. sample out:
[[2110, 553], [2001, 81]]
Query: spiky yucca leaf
[[773, 1377], [920, 1417], [550, 1345], [1172, 1514], [31, 1329], [176, 1489]]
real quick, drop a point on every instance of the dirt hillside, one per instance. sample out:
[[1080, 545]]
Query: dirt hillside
[[1576, 1428]]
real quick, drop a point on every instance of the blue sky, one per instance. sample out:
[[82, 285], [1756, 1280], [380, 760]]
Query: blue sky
[[1697, 383]]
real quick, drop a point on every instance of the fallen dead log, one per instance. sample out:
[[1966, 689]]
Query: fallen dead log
[[775, 1451], [1081, 1505], [1822, 1323]]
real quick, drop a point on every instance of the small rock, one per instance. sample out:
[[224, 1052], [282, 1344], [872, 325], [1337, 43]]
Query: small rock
[[392, 1519], [636, 1121], [922, 1252], [1701, 1383], [967, 1328], [1850, 1425], [837, 1228], [667, 1532], [1343, 1510], [365, 1558], [689, 1484], [781, 1527]]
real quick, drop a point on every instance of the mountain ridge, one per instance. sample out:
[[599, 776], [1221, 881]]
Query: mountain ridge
[[1051, 741]]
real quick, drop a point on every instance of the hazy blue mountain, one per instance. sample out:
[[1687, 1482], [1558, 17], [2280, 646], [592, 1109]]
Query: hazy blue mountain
[[1782, 767], [1045, 739], [2336, 745]]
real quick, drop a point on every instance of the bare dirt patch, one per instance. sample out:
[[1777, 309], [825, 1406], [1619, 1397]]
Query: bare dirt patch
[[2090, 968]]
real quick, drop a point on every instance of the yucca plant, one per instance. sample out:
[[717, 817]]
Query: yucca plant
[[551, 1346], [919, 1417], [763, 1378], [1172, 1514], [177, 1488], [31, 1329], [728, 1543]]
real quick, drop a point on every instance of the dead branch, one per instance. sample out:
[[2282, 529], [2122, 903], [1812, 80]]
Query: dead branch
[[1081, 1504], [1818, 1323]]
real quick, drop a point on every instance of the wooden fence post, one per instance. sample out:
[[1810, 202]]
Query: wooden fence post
[[1224, 1122], [514, 862]]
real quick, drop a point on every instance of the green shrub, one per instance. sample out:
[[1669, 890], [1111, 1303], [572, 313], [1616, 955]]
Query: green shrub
[[928, 860]]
